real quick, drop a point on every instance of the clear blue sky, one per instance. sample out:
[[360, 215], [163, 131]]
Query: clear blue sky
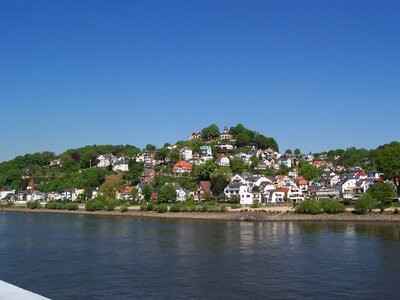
[[315, 75]]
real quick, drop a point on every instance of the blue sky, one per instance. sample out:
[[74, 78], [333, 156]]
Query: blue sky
[[315, 75]]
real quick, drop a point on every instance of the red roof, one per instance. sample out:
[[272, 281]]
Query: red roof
[[302, 181], [182, 165]]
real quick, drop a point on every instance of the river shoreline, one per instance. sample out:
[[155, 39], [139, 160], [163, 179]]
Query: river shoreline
[[226, 216]]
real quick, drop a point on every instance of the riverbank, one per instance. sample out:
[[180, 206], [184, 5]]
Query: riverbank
[[255, 215]]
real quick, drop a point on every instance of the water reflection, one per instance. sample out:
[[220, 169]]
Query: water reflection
[[111, 257]]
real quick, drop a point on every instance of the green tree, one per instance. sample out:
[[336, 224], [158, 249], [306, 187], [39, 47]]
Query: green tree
[[167, 194], [238, 165], [297, 151], [162, 154], [109, 188], [150, 147], [382, 193], [203, 172], [308, 171], [288, 151], [364, 204], [210, 132], [146, 192], [224, 171], [218, 184], [387, 161]]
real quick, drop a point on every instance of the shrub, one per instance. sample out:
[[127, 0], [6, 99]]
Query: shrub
[[235, 206], [204, 208], [112, 204], [309, 207], [33, 204], [396, 211], [175, 208], [123, 208], [162, 208], [151, 207], [72, 206], [143, 206], [332, 206], [256, 205], [364, 204], [94, 205]]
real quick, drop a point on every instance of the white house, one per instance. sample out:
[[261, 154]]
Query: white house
[[225, 146], [186, 153], [205, 151], [105, 160], [121, 166], [4, 193], [223, 161], [273, 196]]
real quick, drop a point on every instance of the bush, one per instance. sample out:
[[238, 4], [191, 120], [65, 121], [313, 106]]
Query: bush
[[175, 208], [256, 205], [235, 206], [332, 206], [123, 208], [204, 208], [309, 207], [33, 204], [94, 205], [55, 205], [72, 206], [396, 211], [151, 207], [162, 208], [112, 204], [364, 204]]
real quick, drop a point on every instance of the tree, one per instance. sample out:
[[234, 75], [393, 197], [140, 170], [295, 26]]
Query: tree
[[110, 187], [382, 193], [288, 151], [210, 132], [150, 147], [162, 154], [134, 194], [167, 194], [387, 161], [224, 171], [218, 184], [203, 172], [364, 204], [308, 171], [146, 192], [238, 165], [297, 151]]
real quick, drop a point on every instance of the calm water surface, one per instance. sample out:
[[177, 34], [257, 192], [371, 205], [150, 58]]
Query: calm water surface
[[92, 257]]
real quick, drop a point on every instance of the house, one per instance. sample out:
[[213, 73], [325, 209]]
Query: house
[[72, 194], [105, 160], [148, 175], [271, 154], [5, 193], [182, 167], [293, 174], [224, 146], [263, 165], [186, 153], [226, 135], [203, 190], [120, 166], [245, 157], [302, 184], [55, 163], [124, 193], [274, 196], [223, 161], [195, 136], [181, 194], [205, 152], [323, 193]]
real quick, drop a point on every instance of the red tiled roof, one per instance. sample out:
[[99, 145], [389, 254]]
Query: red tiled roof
[[182, 165]]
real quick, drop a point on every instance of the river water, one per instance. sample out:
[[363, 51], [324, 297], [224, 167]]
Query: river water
[[103, 257]]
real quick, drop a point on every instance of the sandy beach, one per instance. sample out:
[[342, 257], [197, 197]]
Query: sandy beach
[[262, 214]]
